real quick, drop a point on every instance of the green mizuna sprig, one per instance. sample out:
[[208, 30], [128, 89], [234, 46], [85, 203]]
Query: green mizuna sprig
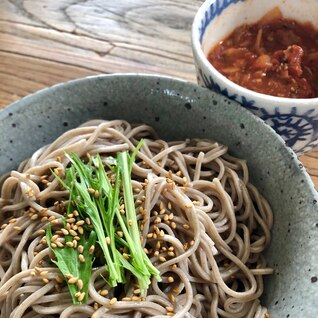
[[97, 197]]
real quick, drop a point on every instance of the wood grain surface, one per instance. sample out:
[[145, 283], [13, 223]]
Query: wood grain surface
[[43, 42]]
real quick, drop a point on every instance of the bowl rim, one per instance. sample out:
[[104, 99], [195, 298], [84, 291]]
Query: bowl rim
[[20, 104], [272, 100]]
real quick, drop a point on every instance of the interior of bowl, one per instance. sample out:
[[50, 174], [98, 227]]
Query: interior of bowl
[[238, 13], [179, 110]]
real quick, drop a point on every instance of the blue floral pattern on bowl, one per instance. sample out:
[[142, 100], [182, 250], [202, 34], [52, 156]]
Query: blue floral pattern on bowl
[[215, 10], [293, 127]]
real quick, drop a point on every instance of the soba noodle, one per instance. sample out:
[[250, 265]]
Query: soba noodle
[[204, 226]]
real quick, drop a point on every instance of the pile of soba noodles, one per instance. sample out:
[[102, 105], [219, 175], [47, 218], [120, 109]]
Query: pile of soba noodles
[[214, 224]]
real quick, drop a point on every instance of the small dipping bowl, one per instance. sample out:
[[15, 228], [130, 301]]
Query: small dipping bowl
[[295, 120]]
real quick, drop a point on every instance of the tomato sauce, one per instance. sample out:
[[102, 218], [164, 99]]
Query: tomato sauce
[[278, 58]]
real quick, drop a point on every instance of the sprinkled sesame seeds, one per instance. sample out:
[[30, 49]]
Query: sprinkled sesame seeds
[[80, 284], [80, 230], [162, 259], [38, 269], [157, 220], [44, 219], [146, 250], [43, 240], [81, 296], [54, 238], [91, 250], [113, 301], [91, 190], [172, 298], [170, 279], [65, 231], [107, 238], [73, 280], [104, 292], [81, 258], [73, 233], [59, 279], [126, 256]]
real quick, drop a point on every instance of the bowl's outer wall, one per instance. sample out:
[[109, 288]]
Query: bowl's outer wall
[[179, 110], [296, 120]]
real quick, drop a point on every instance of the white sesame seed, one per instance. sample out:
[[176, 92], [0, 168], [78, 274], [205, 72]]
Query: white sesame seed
[[80, 284], [113, 301], [73, 280], [81, 297], [104, 292], [54, 238], [64, 231], [91, 250], [170, 279]]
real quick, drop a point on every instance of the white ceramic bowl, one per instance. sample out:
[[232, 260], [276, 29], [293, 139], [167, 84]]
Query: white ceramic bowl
[[295, 120]]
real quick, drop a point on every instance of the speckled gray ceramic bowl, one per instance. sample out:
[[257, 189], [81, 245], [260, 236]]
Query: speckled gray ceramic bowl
[[178, 109]]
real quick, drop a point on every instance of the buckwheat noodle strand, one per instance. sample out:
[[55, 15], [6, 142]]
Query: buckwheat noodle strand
[[204, 227]]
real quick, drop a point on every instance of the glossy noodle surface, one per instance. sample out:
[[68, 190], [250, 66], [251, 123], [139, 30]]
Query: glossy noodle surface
[[203, 225]]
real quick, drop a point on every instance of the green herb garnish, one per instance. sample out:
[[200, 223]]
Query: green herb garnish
[[68, 262], [96, 197]]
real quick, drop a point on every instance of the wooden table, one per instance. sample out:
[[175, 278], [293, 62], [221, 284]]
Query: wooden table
[[43, 42]]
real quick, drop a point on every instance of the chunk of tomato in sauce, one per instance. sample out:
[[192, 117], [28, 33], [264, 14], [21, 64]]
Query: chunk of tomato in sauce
[[279, 58]]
